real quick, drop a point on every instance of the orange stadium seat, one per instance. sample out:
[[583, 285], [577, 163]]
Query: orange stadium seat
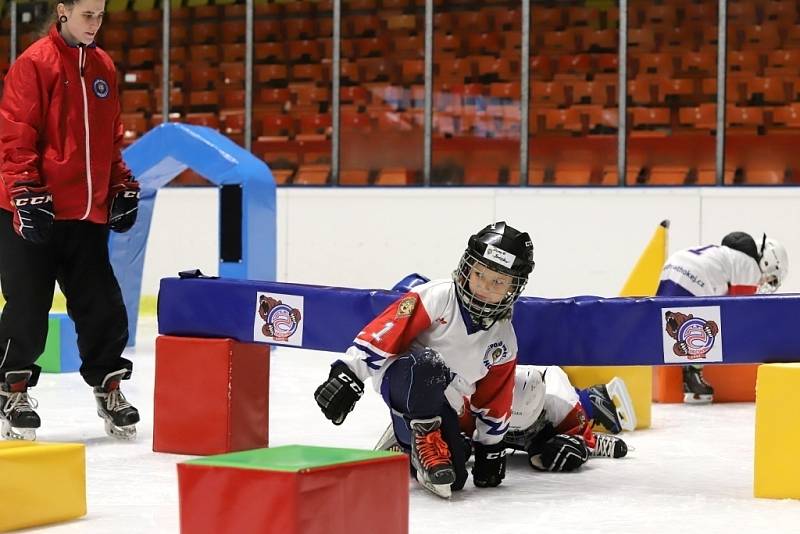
[[372, 46], [580, 64], [568, 119], [681, 90], [232, 31], [768, 90], [203, 119], [177, 54], [349, 73], [325, 27], [595, 40], [749, 118], [266, 53], [353, 176], [114, 38], [547, 18], [206, 53], [135, 100], [312, 174], [299, 29], [641, 39], [360, 26], [583, 16], [703, 62], [206, 11], [232, 98], [357, 122], [781, 11], [272, 9], [274, 75], [142, 36], [299, 8], [273, 99], [133, 125], [276, 125], [409, 46], [203, 100], [202, 76], [232, 73], [655, 63], [175, 99], [649, 118], [313, 73], [304, 52], [265, 30], [762, 38], [233, 122], [787, 116], [235, 11], [548, 93], [702, 117], [141, 57], [559, 42], [205, 32]]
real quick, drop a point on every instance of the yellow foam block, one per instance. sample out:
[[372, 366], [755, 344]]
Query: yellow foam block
[[44, 483], [638, 379], [777, 471]]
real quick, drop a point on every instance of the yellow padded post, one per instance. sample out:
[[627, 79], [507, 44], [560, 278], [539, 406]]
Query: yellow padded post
[[777, 470], [642, 281], [45, 483]]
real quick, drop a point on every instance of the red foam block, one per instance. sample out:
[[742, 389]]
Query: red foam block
[[211, 395], [356, 498]]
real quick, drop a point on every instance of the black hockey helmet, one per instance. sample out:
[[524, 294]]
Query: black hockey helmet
[[743, 242], [505, 250]]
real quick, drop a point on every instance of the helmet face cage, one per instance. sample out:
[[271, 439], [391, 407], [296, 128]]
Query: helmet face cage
[[774, 264], [478, 309]]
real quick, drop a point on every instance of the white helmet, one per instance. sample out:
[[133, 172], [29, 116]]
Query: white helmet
[[528, 398], [774, 265]]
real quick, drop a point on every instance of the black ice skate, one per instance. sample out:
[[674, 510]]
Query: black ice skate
[[19, 420], [119, 416], [695, 388], [604, 411], [608, 446], [430, 456]]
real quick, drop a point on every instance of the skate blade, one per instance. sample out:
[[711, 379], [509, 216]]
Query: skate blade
[[122, 433], [18, 434], [626, 413], [440, 490], [696, 398], [387, 442]]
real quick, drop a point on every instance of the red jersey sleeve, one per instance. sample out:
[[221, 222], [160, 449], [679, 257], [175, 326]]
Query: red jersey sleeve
[[491, 403], [742, 290], [388, 335], [22, 112]]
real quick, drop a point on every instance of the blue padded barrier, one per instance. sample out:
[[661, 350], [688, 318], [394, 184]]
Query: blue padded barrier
[[572, 331]]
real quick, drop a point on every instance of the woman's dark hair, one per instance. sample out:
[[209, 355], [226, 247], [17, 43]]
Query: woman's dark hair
[[50, 16]]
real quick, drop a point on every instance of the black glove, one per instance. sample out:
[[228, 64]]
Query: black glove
[[490, 465], [561, 452], [33, 211], [124, 206], [338, 394]]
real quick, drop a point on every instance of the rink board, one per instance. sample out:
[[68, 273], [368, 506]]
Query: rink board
[[582, 330]]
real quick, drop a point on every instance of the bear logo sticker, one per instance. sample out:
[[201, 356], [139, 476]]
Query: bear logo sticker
[[692, 335]]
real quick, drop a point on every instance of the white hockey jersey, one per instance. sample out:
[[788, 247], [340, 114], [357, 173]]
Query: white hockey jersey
[[712, 271], [483, 361]]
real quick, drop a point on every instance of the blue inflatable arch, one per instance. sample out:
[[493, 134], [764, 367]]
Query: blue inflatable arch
[[163, 153]]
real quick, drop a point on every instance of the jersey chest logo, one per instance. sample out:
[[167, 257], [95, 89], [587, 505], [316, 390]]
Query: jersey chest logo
[[100, 88], [495, 352]]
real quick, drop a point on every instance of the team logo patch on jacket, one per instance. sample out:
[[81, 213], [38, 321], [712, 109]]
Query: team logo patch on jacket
[[406, 307], [495, 353], [100, 88]]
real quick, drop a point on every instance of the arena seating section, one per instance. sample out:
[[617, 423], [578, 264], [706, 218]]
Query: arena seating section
[[671, 88]]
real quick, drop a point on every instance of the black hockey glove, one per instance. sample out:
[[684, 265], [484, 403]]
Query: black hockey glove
[[561, 452], [33, 211], [338, 394], [124, 206], [490, 465]]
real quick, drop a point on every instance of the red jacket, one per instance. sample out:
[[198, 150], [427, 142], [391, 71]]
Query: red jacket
[[54, 118]]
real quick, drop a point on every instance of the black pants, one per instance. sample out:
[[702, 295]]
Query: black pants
[[77, 258], [413, 388]]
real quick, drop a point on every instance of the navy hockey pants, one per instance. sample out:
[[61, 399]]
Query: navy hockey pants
[[413, 388]]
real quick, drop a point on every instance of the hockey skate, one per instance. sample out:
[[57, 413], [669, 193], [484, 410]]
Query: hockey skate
[[612, 406], [695, 388], [430, 456], [19, 420], [119, 416], [608, 446]]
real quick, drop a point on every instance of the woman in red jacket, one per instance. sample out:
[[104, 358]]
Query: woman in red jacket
[[64, 185]]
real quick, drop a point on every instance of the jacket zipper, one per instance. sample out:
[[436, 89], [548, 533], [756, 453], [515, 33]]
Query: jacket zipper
[[81, 67]]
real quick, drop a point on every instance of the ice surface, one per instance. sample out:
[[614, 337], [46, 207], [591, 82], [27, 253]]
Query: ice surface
[[692, 472]]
